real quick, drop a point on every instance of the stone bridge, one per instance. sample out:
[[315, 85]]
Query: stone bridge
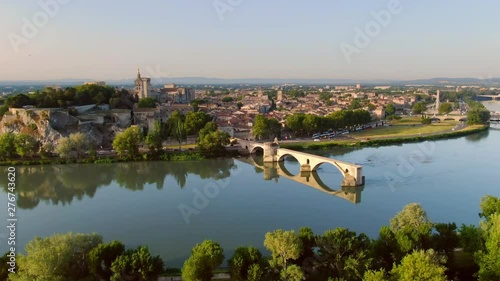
[[353, 174], [275, 170], [460, 118]]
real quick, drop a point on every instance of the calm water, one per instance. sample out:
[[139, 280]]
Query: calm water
[[139, 203]]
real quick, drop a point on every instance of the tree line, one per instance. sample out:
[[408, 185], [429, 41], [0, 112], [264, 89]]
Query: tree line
[[410, 248], [70, 97], [306, 124], [477, 113]]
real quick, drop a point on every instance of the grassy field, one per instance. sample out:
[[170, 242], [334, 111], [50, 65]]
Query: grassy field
[[401, 131], [184, 146], [407, 121]]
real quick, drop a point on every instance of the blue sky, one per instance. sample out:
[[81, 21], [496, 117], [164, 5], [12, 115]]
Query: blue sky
[[103, 40]]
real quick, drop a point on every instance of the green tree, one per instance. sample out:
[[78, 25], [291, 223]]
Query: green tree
[[147, 103], [490, 205], [61, 257], [239, 105], [25, 145], [274, 127], [445, 108], [195, 121], [127, 142], [73, 146], [419, 108], [343, 254], [386, 249], [470, 238], [260, 127], [284, 246], [306, 235], [64, 148], [355, 104], [295, 123], [445, 238], [176, 128], [412, 228], [292, 273], [420, 266], [102, 257], [179, 133], [196, 106], [205, 257], [390, 109], [371, 107], [242, 260], [154, 139], [477, 113], [211, 141], [378, 275], [255, 272], [4, 267], [80, 143], [489, 258], [47, 149], [227, 99], [137, 265], [311, 123], [7, 145]]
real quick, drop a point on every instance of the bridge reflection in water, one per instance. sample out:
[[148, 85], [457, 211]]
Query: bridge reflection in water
[[276, 170]]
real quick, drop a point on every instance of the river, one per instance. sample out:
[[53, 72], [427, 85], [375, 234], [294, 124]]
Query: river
[[171, 206]]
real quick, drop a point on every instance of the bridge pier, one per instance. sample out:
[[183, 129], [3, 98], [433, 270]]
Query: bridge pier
[[270, 152]]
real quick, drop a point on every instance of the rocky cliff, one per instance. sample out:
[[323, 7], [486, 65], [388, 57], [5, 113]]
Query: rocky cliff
[[49, 126]]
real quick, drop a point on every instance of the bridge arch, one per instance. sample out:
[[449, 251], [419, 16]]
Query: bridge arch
[[284, 156], [316, 167], [287, 172], [257, 149]]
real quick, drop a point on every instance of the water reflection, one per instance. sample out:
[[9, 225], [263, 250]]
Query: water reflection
[[477, 137], [61, 184], [273, 171]]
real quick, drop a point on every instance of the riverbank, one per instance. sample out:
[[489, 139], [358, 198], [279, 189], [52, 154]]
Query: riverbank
[[388, 136], [397, 133], [108, 159]]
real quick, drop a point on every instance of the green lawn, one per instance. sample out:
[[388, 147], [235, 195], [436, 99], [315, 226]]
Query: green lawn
[[184, 146], [408, 120], [399, 131]]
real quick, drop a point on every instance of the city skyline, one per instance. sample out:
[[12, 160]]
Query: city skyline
[[393, 40]]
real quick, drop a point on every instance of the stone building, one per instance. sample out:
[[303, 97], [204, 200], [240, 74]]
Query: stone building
[[142, 86], [173, 94]]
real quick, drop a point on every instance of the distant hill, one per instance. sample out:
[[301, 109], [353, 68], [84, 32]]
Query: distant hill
[[439, 81]]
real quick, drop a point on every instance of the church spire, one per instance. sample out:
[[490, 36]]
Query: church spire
[[138, 73]]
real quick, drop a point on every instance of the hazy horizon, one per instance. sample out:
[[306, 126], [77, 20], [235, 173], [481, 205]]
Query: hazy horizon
[[240, 39]]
